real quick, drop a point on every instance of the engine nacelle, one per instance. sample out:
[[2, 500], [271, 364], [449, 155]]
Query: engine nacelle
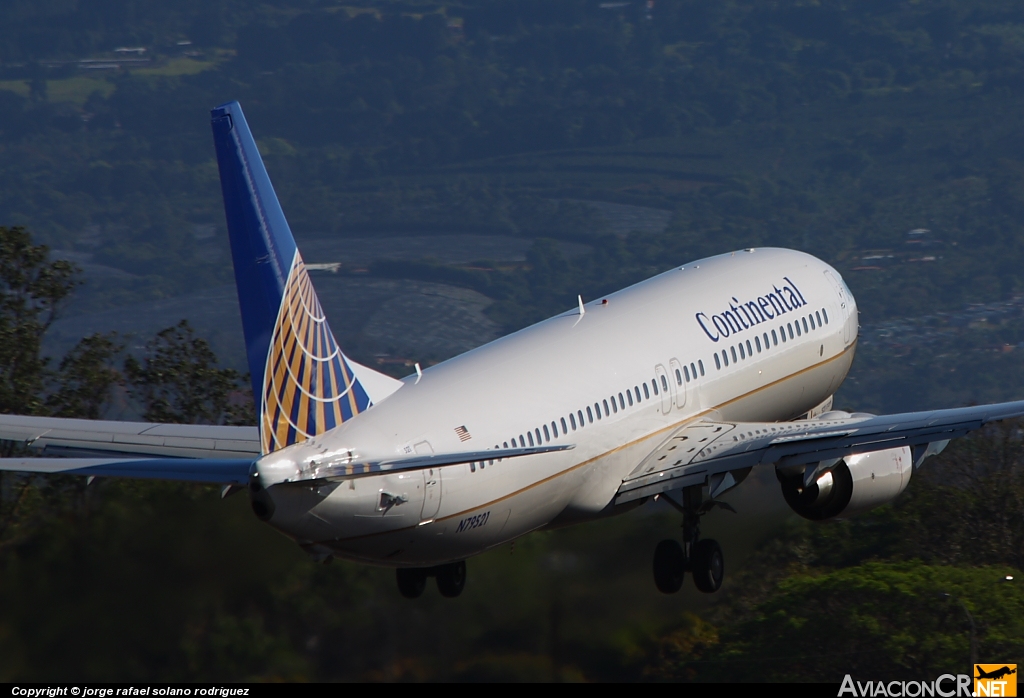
[[856, 483]]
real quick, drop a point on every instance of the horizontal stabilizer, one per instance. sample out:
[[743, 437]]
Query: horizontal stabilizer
[[96, 438], [229, 471], [377, 385], [350, 470]]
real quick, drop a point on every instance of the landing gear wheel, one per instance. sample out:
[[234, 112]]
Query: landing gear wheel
[[669, 566], [411, 581], [451, 578], [708, 565]]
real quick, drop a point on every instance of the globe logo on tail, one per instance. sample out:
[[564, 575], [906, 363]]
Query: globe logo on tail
[[308, 385]]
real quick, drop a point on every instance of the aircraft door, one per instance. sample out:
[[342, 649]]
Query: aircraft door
[[431, 485], [675, 379], [666, 388]]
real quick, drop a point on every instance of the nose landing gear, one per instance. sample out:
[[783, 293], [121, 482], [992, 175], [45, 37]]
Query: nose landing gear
[[451, 579], [701, 557]]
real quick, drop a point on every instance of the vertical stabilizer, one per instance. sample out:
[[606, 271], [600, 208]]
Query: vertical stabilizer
[[302, 382]]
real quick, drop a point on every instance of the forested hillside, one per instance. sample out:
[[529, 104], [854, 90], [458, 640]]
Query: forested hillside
[[482, 163]]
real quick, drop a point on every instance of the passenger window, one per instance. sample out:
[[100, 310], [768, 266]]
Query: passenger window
[[615, 405], [637, 391], [622, 403], [701, 364], [579, 413], [718, 364], [654, 384], [825, 315], [775, 340], [732, 350], [564, 430], [537, 432], [604, 403], [554, 430], [572, 421], [817, 315], [750, 352], [811, 318], [686, 370], [504, 444], [530, 435], [629, 394], [647, 393], [597, 409], [679, 377], [725, 357], [789, 326], [804, 324], [522, 441], [590, 415], [743, 353], [547, 434], [757, 343], [664, 383]]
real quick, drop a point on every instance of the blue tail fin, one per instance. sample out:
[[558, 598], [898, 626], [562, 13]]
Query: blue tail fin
[[302, 383]]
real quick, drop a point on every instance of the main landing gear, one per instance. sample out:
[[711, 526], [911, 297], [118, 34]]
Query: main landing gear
[[451, 579], [701, 557]]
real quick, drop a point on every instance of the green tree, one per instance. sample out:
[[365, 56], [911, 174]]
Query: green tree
[[178, 379], [86, 377], [876, 621], [32, 289]]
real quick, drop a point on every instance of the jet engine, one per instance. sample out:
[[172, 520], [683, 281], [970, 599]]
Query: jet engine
[[856, 483]]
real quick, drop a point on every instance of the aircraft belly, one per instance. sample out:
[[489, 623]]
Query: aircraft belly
[[458, 536], [598, 481]]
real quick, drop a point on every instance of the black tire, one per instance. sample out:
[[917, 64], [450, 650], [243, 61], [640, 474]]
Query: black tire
[[708, 566], [669, 566], [411, 581], [451, 578]]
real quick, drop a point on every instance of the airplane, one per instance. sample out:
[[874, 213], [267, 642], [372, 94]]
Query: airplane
[[672, 389], [995, 673]]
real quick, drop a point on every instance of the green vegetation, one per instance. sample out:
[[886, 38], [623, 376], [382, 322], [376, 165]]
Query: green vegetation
[[834, 127]]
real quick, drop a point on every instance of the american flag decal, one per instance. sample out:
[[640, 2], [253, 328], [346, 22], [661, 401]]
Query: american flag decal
[[308, 385], [463, 433]]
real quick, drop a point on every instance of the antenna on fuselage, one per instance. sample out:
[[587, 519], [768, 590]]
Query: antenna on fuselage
[[583, 311]]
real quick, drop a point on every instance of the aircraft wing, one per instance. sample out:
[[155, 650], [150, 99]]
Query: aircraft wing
[[59, 437], [721, 453]]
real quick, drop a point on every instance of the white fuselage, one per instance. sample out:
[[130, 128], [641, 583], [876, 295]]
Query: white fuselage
[[522, 388]]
